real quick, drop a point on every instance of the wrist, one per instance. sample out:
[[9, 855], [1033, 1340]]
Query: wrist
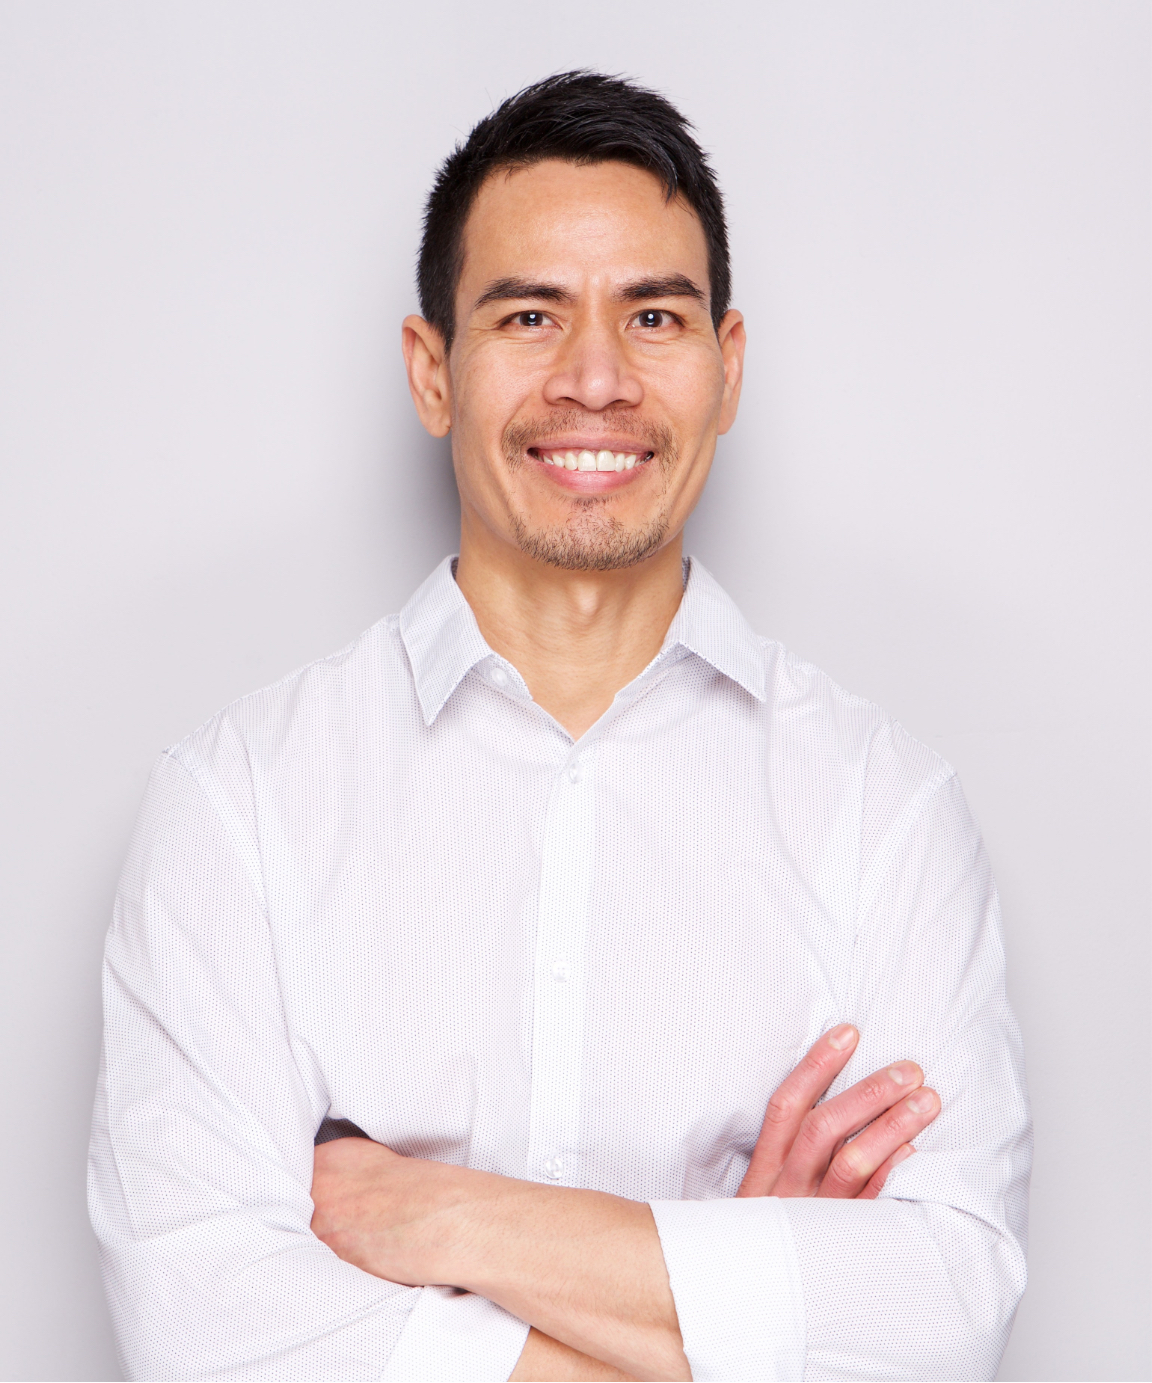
[[583, 1267], [461, 1241], [487, 1217]]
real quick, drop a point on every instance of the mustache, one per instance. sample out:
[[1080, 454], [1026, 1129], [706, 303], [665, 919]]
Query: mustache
[[655, 437]]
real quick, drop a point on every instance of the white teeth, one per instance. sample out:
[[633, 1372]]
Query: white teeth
[[591, 460]]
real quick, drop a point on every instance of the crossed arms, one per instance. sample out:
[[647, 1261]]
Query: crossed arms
[[584, 1268], [204, 1171]]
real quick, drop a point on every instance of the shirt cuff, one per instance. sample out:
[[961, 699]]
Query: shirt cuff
[[736, 1283], [455, 1337]]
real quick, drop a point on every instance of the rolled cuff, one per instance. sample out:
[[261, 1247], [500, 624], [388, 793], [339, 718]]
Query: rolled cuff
[[456, 1337], [736, 1283]]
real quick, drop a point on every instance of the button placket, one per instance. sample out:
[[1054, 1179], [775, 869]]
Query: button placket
[[558, 1014]]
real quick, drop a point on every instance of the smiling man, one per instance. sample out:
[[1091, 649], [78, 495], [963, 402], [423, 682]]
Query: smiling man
[[551, 984]]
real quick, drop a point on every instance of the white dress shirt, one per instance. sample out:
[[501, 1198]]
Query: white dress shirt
[[391, 889]]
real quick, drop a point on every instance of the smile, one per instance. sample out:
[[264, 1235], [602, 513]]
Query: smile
[[594, 460]]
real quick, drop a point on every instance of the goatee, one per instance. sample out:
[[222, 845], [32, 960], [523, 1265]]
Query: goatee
[[592, 538]]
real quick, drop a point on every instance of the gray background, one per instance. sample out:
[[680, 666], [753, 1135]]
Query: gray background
[[936, 489]]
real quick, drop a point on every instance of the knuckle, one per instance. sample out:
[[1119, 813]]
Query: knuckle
[[779, 1111], [840, 1182], [817, 1128], [874, 1090], [848, 1169], [896, 1120], [855, 1162]]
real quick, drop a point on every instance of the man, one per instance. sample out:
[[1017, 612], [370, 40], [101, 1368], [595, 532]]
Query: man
[[528, 904]]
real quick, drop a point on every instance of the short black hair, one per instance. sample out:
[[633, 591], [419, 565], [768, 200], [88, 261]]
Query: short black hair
[[581, 117]]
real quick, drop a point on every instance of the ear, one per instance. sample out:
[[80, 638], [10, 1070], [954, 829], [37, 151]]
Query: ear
[[732, 338], [426, 361]]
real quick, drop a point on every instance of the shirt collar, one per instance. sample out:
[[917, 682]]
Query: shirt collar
[[442, 639], [444, 642], [709, 624]]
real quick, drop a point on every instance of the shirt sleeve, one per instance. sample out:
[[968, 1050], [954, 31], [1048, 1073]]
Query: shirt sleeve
[[921, 1283], [202, 1143]]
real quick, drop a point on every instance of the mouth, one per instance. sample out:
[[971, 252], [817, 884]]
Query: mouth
[[585, 459], [587, 467]]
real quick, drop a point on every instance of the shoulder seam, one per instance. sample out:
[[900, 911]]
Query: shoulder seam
[[289, 677], [795, 660], [913, 809], [186, 758]]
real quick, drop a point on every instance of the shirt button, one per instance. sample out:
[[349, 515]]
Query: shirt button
[[499, 677], [573, 773], [552, 1168], [560, 971]]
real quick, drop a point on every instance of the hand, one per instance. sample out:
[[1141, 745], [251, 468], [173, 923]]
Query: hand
[[388, 1214], [802, 1151]]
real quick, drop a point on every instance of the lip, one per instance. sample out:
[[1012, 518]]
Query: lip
[[590, 482], [605, 441]]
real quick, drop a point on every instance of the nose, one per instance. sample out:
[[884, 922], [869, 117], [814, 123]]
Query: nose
[[592, 371]]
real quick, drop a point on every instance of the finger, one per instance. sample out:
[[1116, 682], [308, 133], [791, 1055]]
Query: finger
[[791, 1102], [826, 1127], [880, 1176], [853, 1166]]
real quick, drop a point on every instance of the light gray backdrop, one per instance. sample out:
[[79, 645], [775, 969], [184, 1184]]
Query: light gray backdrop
[[936, 490]]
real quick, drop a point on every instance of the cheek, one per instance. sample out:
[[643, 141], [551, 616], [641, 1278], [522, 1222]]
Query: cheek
[[692, 386], [490, 389]]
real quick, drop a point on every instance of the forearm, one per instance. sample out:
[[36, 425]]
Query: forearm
[[583, 1267], [545, 1360]]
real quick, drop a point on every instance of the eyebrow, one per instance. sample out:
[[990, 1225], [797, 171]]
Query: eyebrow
[[668, 286], [503, 289]]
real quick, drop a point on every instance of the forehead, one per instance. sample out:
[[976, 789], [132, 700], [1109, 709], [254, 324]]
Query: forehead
[[609, 219]]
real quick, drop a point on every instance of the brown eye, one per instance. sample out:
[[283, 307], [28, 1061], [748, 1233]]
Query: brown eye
[[652, 317], [531, 319]]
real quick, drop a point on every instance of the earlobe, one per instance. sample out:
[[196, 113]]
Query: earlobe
[[426, 361]]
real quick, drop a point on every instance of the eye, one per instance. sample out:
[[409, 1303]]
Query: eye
[[532, 318], [652, 318]]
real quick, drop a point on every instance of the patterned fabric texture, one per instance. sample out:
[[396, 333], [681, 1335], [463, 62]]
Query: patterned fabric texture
[[392, 890]]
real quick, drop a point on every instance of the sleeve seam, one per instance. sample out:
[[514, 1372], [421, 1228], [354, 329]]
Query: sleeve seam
[[248, 854], [912, 812]]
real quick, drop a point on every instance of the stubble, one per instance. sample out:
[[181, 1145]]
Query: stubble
[[592, 537]]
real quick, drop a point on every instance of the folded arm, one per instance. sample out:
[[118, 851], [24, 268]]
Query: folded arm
[[910, 1266], [584, 1268], [202, 1142], [922, 1281]]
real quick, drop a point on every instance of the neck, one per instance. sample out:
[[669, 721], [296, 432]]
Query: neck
[[576, 637]]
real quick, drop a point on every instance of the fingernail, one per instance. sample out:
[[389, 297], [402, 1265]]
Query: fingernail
[[922, 1102], [902, 1154], [842, 1037], [904, 1074]]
